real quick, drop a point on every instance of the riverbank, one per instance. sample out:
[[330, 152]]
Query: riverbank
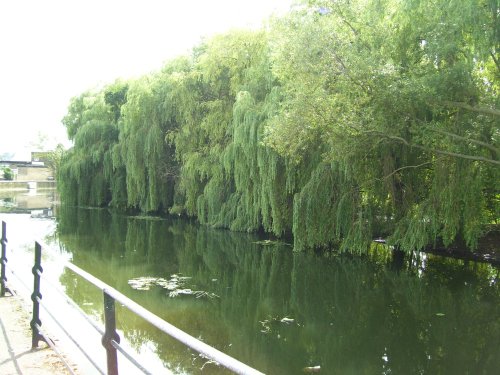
[[16, 355], [488, 249]]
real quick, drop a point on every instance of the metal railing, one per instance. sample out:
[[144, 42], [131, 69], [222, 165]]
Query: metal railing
[[3, 260], [110, 337]]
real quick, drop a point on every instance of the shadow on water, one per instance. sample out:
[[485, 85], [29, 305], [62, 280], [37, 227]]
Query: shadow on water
[[281, 311]]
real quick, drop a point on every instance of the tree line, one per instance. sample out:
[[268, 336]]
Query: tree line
[[337, 123]]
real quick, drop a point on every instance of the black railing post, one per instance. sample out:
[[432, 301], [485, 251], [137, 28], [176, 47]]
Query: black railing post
[[110, 334], [3, 259], [36, 296]]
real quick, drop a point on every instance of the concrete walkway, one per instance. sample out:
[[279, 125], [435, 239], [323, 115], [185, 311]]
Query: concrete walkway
[[16, 355]]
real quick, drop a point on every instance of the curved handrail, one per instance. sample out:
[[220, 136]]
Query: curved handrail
[[188, 340]]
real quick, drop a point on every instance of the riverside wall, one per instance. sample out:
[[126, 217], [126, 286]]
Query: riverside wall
[[24, 185]]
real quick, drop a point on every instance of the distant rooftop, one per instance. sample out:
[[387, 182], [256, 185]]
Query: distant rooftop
[[18, 162], [24, 157]]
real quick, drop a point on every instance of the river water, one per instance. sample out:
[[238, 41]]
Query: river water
[[279, 311]]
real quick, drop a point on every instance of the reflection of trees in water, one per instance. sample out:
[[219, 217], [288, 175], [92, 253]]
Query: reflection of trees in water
[[366, 313], [350, 314]]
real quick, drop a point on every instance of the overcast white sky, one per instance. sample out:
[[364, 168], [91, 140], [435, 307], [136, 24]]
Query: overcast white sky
[[52, 50]]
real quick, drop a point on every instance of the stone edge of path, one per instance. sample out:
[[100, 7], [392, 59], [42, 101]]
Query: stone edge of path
[[16, 355]]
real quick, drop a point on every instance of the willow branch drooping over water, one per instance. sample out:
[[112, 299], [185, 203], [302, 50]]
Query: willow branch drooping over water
[[318, 126]]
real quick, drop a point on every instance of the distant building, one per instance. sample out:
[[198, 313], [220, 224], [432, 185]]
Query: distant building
[[34, 170], [40, 157]]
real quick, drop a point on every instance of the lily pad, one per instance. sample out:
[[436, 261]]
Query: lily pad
[[176, 286]]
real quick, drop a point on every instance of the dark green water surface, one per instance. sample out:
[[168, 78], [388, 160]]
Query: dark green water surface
[[281, 311]]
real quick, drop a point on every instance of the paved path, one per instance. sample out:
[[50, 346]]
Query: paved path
[[16, 355]]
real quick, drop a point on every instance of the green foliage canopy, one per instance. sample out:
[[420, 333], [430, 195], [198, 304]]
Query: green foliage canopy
[[341, 121]]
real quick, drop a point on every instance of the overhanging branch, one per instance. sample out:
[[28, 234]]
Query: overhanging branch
[[475, 141], [483, 110], [437, 151]]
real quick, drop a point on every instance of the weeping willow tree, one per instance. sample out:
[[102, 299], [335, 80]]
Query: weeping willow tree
[[204, 102], [86, 174], [263, 183], [228, 177], [149, 161], [402, 97], [340, 122]]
